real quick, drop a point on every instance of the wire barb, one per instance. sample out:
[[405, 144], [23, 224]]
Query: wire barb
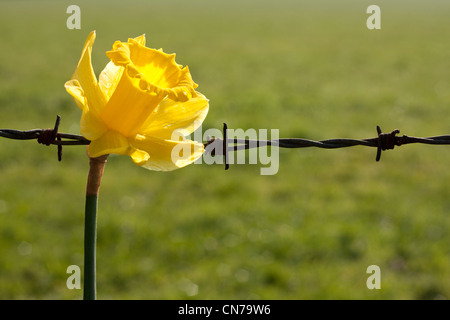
[[387, 141], [48, 136]]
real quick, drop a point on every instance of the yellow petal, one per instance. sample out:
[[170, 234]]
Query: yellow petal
[[85, 76], [109, 142], [91, 126], [171, 115], [73, 87], [109, 79], [139, 156], [167, 155]]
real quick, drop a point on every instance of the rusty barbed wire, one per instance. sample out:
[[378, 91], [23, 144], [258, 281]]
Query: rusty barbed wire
[[47, 137], [218, 146], [384, 141]]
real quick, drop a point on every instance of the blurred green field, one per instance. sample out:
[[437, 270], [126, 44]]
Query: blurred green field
[[309, 68]]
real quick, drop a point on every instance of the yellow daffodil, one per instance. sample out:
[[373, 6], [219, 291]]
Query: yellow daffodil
[[140, 98]]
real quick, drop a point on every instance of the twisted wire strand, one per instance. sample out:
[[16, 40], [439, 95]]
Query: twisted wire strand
[[37, 133], [334, 143], [384, 141]]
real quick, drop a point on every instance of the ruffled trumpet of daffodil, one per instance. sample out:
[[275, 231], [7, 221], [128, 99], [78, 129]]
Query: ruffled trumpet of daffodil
[[140, 98]]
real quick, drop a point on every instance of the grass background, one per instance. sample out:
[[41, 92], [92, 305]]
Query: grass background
[[309, 68]]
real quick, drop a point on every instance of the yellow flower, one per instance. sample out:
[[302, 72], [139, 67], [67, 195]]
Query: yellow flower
[[140, 98]]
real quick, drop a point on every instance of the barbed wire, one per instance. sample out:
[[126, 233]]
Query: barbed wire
[[384, 141], [47, 137], [218, 146]]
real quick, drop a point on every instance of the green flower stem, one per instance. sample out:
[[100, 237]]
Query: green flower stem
[[96, 166], [90, 241]]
